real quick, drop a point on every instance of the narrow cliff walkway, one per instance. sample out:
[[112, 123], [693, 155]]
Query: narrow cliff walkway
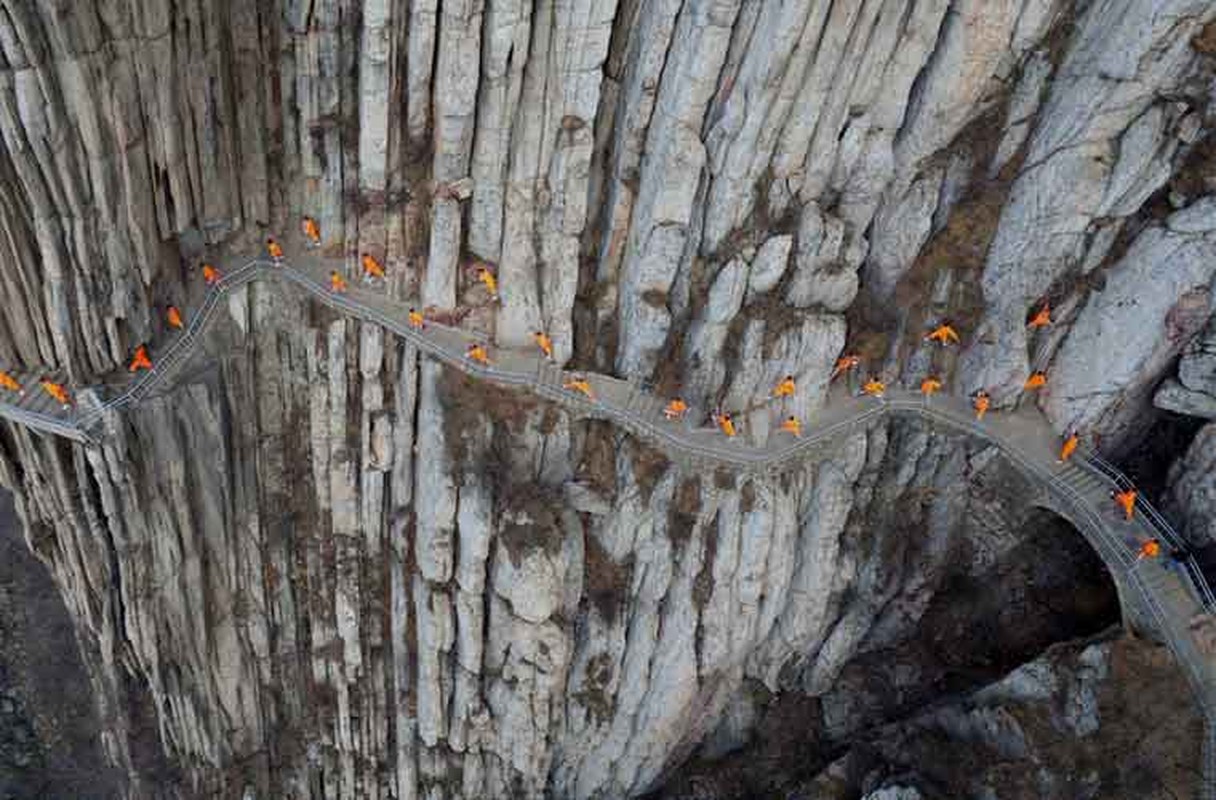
[[1169, 599]]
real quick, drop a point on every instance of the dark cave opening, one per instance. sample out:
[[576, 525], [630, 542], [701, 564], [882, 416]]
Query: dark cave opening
[[1164, 442], [1051, 587], [1147, 464]]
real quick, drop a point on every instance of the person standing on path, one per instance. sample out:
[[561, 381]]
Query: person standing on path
[[477, 352], [372, 268], [140, 360], [1126, 500], [1042, 317], [785, 387], [312, 231], [580, 385], [676, 409], [57, 391], [544, 343], [943, 334], [981, 403]]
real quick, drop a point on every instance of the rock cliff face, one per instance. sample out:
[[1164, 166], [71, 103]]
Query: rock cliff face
[[330, 568]]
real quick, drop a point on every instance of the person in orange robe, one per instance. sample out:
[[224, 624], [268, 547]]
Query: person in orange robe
[[478, 353], [981, 403], [312, 231], [489, 281], [676, 409], [785, 387], [581, 386], [1127, 501], [874, 388], [1069, 447], [141, 360], [57, 391], [1042, 317], [844, 364], [943, 334], [371, 267], [544, 343]]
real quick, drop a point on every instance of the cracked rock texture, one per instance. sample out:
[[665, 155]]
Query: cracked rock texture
[[329, 568]]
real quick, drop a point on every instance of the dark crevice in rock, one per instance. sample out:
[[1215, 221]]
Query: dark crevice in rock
[[1049, 588]]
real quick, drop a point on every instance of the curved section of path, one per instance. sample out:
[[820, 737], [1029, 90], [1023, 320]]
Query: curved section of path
[[1171, 598]]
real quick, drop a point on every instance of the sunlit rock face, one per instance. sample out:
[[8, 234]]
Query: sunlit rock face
[[336, 569]]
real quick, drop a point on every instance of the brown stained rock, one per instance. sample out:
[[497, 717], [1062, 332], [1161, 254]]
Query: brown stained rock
[[607, 582], [1205, 40], [466, 400], [682, 517], [598, 465], [649, 465], [531, 520]]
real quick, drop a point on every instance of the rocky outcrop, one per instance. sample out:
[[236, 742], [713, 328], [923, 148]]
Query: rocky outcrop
[[1069, 724], [1108, 354], [1192, 494], [1194, 391], [1101, 149], [335, 569]]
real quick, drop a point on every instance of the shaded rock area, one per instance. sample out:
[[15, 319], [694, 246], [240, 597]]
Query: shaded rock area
[[1108, 717], [49, 728], [1049, 588], [983, 623], [1191, 499], [318, 565], [1194, 390]]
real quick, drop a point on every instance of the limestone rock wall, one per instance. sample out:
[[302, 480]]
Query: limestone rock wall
[[340, 571]]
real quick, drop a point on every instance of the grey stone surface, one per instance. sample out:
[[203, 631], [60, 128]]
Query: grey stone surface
[[1124, 337], [768, 266], [1173, 396], [299, 552]]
